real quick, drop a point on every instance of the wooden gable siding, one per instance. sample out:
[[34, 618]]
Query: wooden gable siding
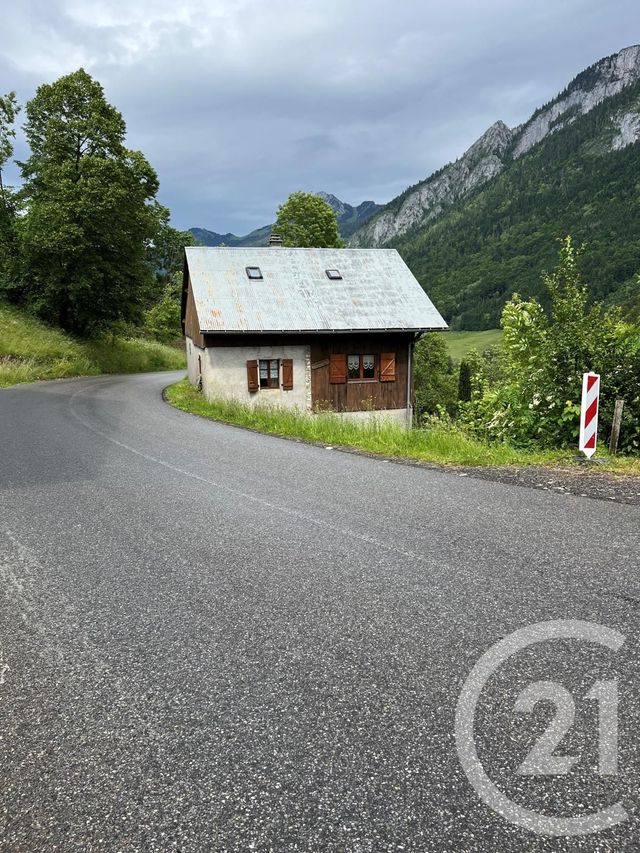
[[191, 322], [365, 394]]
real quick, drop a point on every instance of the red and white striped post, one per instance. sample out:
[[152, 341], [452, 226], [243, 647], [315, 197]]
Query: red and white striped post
[[589, 414]]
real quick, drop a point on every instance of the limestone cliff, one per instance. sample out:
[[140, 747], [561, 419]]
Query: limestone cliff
[[489, 155]]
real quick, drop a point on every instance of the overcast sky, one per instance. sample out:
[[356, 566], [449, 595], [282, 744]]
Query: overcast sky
[[237, 103]]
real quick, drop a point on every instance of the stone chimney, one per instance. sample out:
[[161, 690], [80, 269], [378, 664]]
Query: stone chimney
[[275, 240]]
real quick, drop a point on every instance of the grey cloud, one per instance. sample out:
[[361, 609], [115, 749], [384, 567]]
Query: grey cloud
[[239, 102]]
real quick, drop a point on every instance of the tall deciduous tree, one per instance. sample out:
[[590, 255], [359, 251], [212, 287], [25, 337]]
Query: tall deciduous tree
[[166, 253], [90, 210], [8, 111], [306, 220]]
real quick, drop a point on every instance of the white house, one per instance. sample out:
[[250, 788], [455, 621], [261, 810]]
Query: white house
[[314, 329]]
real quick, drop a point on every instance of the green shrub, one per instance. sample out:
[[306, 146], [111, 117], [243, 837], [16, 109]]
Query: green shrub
[[534, 398], [435, 381]]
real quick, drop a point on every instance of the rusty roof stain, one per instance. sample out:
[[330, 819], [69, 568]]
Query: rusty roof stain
[[377, 291]]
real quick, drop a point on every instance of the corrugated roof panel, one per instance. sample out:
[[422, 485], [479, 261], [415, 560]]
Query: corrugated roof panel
[[377, 291]]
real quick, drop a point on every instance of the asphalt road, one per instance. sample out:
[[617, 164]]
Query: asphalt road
[[213, 640]]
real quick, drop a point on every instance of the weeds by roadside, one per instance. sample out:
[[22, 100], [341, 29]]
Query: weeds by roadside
[[444, 444]]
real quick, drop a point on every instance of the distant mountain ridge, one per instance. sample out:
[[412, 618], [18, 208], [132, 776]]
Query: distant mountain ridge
[[259, 237], [350, 218], [427, 200], [488, 156], [487, 225]]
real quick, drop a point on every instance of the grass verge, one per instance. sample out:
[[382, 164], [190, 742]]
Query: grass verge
[[31, 350], [461, 343], [440, 445]]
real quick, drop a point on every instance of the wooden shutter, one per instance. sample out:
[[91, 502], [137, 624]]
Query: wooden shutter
[[252, 375], [287, 374], [387, 367], [337, 368]]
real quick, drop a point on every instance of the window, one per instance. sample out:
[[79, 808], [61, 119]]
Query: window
[[353, 366], [361, 367], [254, 273], [334, 275], [269, 372]]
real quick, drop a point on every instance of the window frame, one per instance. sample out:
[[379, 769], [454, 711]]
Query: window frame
[[272, 382], [336, 277], [361, 377], [258, 277]]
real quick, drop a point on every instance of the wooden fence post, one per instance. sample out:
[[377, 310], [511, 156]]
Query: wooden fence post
[[615, 427]]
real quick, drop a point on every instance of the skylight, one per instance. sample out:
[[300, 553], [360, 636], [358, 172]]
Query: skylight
[[334, 275], [254, 273]]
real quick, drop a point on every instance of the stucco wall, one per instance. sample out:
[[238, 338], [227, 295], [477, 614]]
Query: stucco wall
[[224, 375], [192, 360]]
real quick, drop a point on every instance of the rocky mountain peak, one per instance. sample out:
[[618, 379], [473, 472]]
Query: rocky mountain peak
[[495, 140], [602, 80], [334, 202], [499, 144], [479, 163], [350, 218], [618, 70]]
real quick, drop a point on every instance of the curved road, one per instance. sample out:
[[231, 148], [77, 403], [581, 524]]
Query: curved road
[[213, 640]]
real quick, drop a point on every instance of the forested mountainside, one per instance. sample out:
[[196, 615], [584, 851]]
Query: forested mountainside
[[488, 224]]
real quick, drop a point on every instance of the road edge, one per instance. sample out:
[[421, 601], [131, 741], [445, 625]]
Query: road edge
[[592, 484]]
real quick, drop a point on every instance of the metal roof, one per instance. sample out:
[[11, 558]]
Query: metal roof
[[377, 291]]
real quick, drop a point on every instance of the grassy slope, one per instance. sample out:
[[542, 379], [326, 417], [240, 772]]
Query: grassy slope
[[440, 445], [437, 444], [30, 350], [460, 343]]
